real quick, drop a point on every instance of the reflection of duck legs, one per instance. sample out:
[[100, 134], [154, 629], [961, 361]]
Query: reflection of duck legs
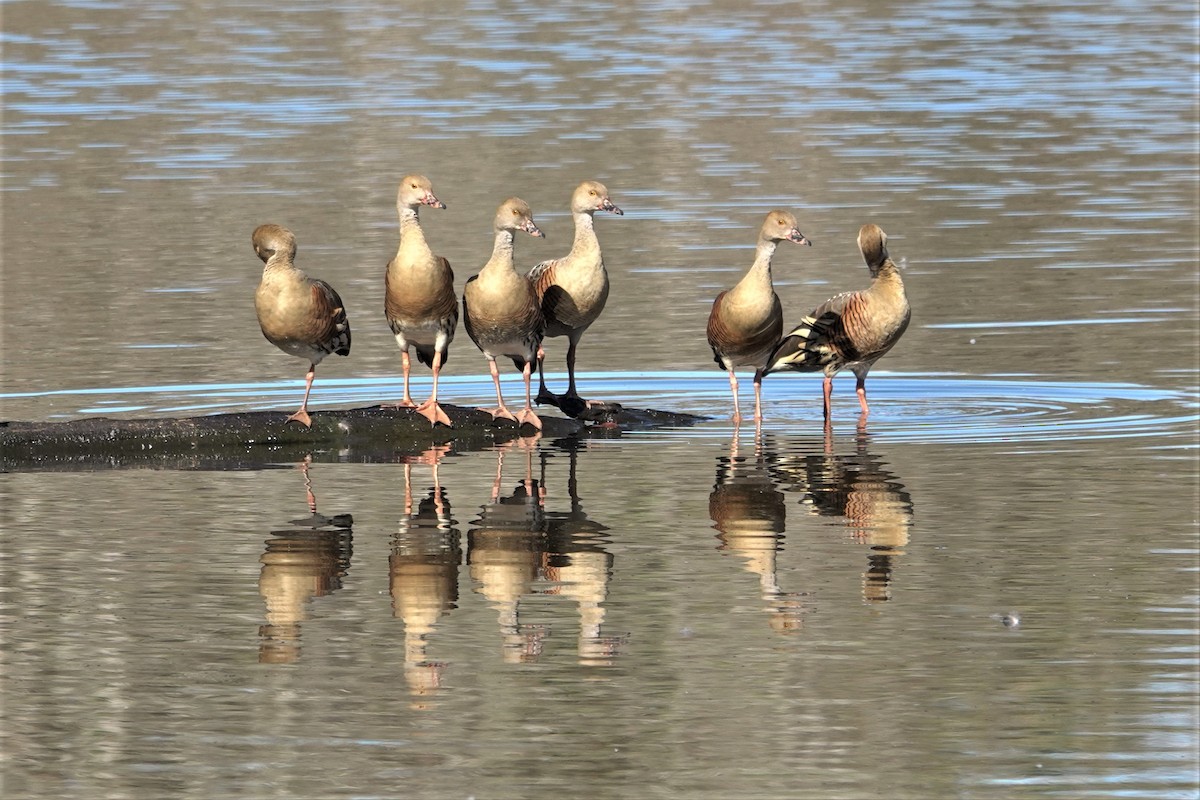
[[580, 566], [868, 499], [527, 444], [505, 549], [749, 513], [312, 498], [298, 564], [423, 574]]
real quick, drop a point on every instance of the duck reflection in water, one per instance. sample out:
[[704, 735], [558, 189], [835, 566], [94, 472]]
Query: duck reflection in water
[[749, 512], [423, 572], [300, 563], [518, 548], [860, 493], [578, 563], [504, 549]]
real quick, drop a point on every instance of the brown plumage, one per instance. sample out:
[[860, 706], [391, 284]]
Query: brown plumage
[[419, 300], [302, 316], [746, 322], [573, 289], [852, 330], [501, 310]]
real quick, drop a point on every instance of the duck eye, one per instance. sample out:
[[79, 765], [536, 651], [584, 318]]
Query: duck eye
[[592, 192]]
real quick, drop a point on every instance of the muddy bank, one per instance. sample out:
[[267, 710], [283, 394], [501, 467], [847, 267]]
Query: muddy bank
[[249, 439]]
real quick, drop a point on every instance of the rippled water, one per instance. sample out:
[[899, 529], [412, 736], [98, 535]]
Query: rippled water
[[920, 408], [991, 591], [781, 614]]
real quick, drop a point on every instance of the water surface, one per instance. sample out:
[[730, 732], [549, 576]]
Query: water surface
[[991, 591]]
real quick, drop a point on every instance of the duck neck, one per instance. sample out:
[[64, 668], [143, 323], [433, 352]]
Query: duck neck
[[278, 264], [585, 243], [502, 254], [412, 238], [759, 274], [886, 278]]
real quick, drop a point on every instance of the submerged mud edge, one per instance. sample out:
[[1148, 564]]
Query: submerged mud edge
[[253, 438]]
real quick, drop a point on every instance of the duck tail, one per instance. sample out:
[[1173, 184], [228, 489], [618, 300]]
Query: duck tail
[[805, 349]]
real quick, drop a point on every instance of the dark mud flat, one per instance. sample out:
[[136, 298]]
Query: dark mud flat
[[253, 439]]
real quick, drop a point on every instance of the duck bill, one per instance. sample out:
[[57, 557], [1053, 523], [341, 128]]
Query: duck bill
[[608, 205]]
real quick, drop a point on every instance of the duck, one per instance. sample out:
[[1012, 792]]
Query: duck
[[573, 289], [419, 300], [501, 311], [851, 330], [746, 322], [302, 316]]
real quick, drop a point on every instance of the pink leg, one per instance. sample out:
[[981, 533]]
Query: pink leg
[[526, 414], [500, 411], [733, 387], [407, 401], [496, 380], [301, 416], [828, 392], [430, 408], [861, 388], [758, 376]]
